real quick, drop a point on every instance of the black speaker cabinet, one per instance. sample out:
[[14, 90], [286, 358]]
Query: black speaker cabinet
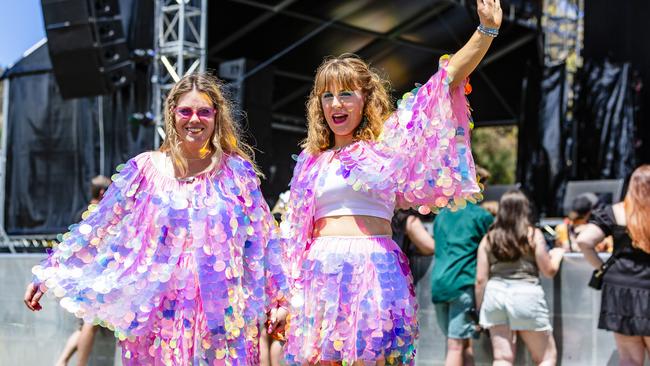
[[87, 46]]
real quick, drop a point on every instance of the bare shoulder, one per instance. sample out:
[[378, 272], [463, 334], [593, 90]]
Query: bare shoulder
[[619, 213]]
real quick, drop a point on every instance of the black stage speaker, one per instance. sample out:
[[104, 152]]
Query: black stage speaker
[[87, 46]]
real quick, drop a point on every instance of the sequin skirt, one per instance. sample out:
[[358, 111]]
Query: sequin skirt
[[355, 300]]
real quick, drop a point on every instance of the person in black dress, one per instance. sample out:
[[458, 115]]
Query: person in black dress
[[625, 303]]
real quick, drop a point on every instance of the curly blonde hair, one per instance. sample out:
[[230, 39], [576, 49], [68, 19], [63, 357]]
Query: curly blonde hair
[[226, 137], [347, 71]]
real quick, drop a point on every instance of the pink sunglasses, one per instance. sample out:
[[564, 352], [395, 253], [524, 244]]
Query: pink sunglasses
[[201, 113]]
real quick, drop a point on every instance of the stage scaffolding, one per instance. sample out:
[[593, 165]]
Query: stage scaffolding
[[180, 36]]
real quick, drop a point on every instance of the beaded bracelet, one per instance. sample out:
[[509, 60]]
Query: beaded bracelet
[[490, 32]]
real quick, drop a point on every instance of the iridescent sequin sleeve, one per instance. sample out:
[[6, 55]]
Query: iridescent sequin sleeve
[[262, 251], [277, 290], [297, 221], [430, 134], [91, 265], [424, 153]]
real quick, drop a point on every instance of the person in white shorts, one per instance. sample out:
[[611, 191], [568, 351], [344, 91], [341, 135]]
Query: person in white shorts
[[508, 293]]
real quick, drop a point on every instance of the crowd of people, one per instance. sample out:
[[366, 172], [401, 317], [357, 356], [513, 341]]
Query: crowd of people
[[183, 259]]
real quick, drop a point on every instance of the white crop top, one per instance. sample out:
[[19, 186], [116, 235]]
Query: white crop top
[[335, 197]]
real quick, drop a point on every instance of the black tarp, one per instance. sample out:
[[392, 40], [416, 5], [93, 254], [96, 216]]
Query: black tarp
[[608, 133], [53, 145], [598, 140], [607, 110], [618, 34]]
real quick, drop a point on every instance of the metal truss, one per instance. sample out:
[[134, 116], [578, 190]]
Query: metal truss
[[180, 36]]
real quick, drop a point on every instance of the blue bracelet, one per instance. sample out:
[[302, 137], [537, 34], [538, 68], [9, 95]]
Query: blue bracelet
[[490, 32]]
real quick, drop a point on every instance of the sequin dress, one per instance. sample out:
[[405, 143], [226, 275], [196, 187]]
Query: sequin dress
[[352, 298], [182, 271]]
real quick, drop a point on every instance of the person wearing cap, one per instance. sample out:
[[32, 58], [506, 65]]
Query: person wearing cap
[[567, 231]]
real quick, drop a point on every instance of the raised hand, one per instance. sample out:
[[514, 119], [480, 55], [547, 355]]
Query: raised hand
[[489, 12]]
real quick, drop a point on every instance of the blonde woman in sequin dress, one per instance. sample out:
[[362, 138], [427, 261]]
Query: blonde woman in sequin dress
[[178, 258], [352, 299]]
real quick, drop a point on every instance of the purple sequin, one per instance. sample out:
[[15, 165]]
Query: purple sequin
[[423, 160], [181, 271]]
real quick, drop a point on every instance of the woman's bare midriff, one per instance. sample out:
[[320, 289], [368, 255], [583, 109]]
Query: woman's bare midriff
[[351, 226]]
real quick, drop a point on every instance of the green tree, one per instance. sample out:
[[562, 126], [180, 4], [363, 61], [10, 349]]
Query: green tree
[[495, 149]]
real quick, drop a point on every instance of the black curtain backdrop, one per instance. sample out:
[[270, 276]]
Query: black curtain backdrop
[[608, 134], [618, 33], [607, 111], [598, 141], [53, 145], [541, 159]]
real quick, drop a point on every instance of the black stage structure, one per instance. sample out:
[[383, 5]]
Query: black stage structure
[[279, 44], [285, 41]]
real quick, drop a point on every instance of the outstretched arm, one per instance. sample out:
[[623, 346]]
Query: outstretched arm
[[470, 55]]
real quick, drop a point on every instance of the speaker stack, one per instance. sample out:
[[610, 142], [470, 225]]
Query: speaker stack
[[87, 46]]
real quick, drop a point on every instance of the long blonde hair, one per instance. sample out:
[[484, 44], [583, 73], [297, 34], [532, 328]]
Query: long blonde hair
[[347, 71], [226, 138], [637, 208]]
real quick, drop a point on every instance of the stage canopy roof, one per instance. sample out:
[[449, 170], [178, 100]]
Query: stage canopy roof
[[403, 39]]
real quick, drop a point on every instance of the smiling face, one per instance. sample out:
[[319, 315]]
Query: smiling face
[[343, 111], [349, 102], [195, 123]]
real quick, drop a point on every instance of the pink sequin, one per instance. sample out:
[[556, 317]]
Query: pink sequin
[[423, 160], [182, 271]]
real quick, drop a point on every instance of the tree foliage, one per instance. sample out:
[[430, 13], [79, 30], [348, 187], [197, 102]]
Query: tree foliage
[[495, 149]]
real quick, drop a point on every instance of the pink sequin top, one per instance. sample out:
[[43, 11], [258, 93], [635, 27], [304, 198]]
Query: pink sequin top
[[157, 248], [422, 159]]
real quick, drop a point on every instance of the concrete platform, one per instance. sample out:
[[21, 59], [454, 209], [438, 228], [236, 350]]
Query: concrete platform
[[36, 338]]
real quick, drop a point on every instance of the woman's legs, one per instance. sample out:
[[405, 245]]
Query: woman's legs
[[541, 346], [275, 353], [503, 345], [69, 349], [646, 342], [264, 348], [631, 349], [459, 352], [85, 343], [270, 350]]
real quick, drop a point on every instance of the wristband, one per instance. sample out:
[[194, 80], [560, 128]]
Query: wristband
[[490, 32]]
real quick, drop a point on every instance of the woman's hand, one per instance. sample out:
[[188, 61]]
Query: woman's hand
[[489, 12], [470, 55], [277, 320], [33, 295], [557, 254]]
